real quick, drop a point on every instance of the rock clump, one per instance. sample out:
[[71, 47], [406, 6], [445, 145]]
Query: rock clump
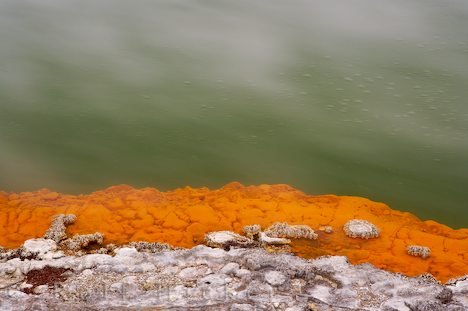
[[418, 251], [359, 228], [80, 241], [151, 247], [276, 237], [252, 231], [224, 239], [285, 230], [58, 228]]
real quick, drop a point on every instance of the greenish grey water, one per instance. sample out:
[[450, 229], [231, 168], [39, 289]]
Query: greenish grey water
[[363, 98]]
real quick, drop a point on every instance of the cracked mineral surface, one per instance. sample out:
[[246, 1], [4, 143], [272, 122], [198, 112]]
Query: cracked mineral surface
[[182, 217], [204, 278]]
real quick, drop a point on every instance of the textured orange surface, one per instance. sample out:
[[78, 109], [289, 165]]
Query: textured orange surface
[[182, 217]]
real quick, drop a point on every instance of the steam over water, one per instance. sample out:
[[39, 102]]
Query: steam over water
[[365, 98]]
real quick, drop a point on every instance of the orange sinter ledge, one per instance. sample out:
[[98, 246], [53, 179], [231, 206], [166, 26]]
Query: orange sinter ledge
[[182, 217]]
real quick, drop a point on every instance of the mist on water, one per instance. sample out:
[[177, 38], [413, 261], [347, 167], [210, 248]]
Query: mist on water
[[363, 98]]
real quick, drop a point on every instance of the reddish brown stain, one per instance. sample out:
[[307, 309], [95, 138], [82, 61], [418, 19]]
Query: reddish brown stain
[[182, 217]]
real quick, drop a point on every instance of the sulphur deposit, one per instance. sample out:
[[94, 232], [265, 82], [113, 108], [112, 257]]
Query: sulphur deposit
[[182, 218]]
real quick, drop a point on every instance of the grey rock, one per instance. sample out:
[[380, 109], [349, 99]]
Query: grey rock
[[41, 289], [242, 273], [230, 268], [10, 266], [25, 285], [41, 249], [242, 307], [215, 280], [193, 272], [121, 268], [14, 294], [116, 287], [445, 295], [275, 278], [423, 305]]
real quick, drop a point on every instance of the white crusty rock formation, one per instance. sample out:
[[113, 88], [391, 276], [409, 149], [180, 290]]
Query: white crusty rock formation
[[285, 230], [359, 228], [204, 278], [58, 228], [224, 239], [418, 251]]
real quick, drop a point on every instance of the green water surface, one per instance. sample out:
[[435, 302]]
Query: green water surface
[[366, 98]]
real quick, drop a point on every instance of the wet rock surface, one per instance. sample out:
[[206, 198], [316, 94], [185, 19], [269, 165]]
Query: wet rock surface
[[204, 278]]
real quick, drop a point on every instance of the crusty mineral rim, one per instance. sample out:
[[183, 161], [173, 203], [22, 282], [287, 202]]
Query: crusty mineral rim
[[183, 216]]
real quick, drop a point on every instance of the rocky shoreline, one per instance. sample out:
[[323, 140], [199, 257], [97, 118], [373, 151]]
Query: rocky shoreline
[[362, 230], [40, 276], [254, 271]]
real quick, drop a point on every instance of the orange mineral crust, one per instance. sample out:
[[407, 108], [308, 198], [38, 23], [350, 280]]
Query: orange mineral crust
[[182, 217]]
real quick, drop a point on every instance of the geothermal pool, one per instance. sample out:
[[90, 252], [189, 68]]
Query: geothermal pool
[[137, 135], [364, 98]]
